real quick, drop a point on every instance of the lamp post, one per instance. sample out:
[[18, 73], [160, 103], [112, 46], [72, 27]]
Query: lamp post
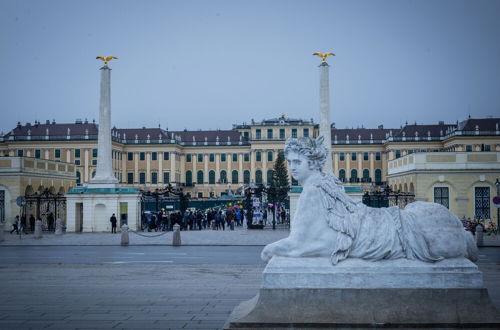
[[497, 183]]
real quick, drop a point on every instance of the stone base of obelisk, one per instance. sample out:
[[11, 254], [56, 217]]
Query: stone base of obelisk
[[88, 209], [310, 293]]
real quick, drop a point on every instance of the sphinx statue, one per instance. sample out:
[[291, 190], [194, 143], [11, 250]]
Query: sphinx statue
[[329, 223]]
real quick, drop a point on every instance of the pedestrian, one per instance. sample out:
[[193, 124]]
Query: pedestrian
[[32, 222], [50, 220], [113, 223], [15, 225]]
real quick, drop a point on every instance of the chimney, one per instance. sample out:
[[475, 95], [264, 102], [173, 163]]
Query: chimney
[[380, 126], [441, 122], [47, 122]]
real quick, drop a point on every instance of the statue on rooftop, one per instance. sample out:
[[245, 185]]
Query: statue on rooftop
[[329, 223]]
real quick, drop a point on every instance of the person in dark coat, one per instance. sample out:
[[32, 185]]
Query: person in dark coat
[[113, 223], [32, 222]]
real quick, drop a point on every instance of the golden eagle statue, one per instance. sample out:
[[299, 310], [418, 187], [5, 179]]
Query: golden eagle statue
[[324, 56], [106, 59]]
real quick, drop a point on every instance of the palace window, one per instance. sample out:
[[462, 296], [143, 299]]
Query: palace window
[[258, 177], [211, 177], [37, 153], [482, 202], [246, 177], [487, 147], [77, 153], [468, 148], [270, 176], [354, 176], [154, 177], [442, 196], [282, 133], [130, 178], [377, 155], [199, 177], [130, 156], [189, 178], [342, 156], [235, 157], [211, 158], [20, 153], [94, 162], [57, 153], [342, 175], [270, 133], [223, 176], [200, 158], [365, 156], [246, 157], [166, 156], [269, 156], [78, 177], [306, 132], [366, 175], [154, 156], [200, 195], [94, 153], [294, 133], [378, 175], [222, 157], [142, 177], [398, 154], [234, 177], [77, 162], [166, 177], [142, 156], [353, 156], [188, 158], [258, 156], [257, 134]]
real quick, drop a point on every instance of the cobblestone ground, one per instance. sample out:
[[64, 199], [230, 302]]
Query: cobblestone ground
[[123, 297], [136, 296]]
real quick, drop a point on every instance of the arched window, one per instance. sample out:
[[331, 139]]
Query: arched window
[[354, 176], [378, 175], [211, 177], [234, 177], [258, 177], [78, 177], [189, 178], [246, 177], [342, 175], [199, 177], [270, 176], [223, 176], [366, 175]]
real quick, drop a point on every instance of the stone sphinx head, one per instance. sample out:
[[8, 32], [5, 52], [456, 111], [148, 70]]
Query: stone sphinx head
[[305, 156]]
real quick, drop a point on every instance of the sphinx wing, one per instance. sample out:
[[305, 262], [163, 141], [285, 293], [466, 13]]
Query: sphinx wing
[[100, 58], [109, 58]]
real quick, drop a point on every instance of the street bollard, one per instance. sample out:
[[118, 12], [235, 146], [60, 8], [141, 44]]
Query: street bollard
[[59, 227], [125, 238], [176, 240], [38, 229], [1, 231], [479, 235]]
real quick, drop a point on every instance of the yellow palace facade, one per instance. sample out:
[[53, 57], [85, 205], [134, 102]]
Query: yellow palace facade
[[455, 164]]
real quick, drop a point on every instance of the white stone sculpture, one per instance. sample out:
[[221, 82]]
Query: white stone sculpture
[[329, 223]]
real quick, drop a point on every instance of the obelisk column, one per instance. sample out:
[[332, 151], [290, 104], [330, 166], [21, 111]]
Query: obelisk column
[[324, 109], [104, 172]]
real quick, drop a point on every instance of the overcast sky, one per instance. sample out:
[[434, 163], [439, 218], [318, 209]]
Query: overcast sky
[[210, 64]]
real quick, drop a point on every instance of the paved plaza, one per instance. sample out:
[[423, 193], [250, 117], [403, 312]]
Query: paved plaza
[[102, 286]]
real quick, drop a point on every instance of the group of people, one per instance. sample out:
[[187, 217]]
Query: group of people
[[20, 226], [216, 219], [488, 226]]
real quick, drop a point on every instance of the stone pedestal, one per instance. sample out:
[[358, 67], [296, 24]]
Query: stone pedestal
[[125, 237], [89, 209], [38, 229], [176, 238], [311, 293], [59, 227]]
